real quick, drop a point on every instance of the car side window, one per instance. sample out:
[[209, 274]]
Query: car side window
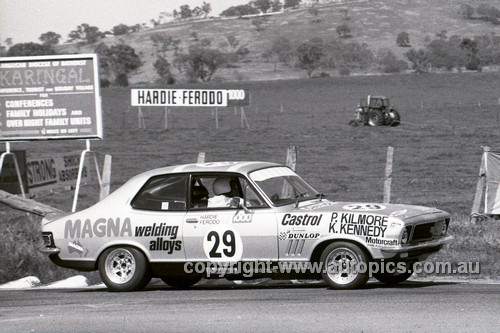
[[162, 193], [216, 191]]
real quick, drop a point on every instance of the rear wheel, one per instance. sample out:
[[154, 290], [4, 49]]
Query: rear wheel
[[392, 278], [181, 282], [395, 117], [124, 269], [341, 266], [376, 118]]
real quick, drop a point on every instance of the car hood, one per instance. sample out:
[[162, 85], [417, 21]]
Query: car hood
[[401, 211]]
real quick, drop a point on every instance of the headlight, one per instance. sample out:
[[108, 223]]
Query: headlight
[[406, 235]]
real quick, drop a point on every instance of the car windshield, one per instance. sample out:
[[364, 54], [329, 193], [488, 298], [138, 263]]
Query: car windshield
[[283, 186]]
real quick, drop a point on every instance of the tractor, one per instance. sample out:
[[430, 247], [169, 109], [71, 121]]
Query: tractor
[[375, 111]]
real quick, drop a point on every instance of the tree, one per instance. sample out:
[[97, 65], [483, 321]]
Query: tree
[[315, 13], [162, 67], [444, 53], [470, 46], [50, 38], [389, 63], [344, 31], [206, 8], [280, 51], [309, 55], [161, 42], [232, 41], [419, 60], [239, 11], [185, 12], [466, 11], [121, 29], [262, 5], [30, 49], [403, 39], [276, 6], [85, 33], [258, 22], [291, 4], [201, 62], [117, 61]]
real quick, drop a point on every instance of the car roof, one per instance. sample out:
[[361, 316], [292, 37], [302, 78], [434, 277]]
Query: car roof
[[242, 167]]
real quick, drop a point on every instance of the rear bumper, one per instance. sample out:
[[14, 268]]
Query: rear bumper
[[50, 250], [422, 248]]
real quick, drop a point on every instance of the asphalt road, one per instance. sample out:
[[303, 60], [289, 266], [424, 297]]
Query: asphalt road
[[409, 307]]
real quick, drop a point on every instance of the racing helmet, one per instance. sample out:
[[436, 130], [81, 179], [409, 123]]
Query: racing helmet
[[222, 185]]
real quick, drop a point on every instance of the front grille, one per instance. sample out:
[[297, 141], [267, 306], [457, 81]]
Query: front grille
[[427, 231], [48, 239]]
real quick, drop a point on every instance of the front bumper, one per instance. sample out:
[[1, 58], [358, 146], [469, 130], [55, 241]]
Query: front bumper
[[418, 247]]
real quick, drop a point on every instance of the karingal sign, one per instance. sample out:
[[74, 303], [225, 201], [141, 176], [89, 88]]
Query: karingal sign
[[50, 97]]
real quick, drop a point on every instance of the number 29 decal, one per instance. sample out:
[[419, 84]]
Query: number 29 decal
[[223, 244]]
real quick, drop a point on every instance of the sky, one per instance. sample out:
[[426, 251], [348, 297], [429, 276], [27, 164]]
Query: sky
[[25, 20]]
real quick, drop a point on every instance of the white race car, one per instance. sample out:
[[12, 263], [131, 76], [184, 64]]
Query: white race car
[[187, 222]]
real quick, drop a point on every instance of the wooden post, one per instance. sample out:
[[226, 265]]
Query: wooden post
[[388, 175], [291, 157], [244, 121], [106, 177], [201, 157], [26, 205], [281, 108], [140, 117], [291, 162], [216, 118], [166, 118]]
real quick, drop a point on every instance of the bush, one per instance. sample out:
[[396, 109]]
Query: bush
[[104, 83], [121, 80]]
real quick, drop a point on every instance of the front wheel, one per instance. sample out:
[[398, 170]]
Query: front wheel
[[342, 263], [124, 269]]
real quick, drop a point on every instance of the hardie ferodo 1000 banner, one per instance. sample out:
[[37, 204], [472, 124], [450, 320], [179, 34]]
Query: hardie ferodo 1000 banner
[[50, 97]]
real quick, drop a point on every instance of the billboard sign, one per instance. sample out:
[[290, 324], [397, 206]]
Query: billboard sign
[[50, 97], [190, 97], [54, 172]]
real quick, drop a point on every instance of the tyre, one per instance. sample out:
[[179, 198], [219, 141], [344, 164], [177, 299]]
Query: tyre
[[341, 261], [353, 123], [124, 268], [395, 117], [181, 282], [392, 278], [376, 118]]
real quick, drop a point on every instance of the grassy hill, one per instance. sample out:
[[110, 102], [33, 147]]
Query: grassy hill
[[375, 23]]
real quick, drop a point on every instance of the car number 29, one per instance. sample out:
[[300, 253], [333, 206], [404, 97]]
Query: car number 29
[[223, 243]]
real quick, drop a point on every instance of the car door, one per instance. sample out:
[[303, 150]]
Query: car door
[[158, 212], [228, 234]]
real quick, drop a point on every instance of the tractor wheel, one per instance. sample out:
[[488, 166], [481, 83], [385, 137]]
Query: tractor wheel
[[353, 123], [395, 117], [376, 118]]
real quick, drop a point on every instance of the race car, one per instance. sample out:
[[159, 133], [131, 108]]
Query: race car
[[188, 222]]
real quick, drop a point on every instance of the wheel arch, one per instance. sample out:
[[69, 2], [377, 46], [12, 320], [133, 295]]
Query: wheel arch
[[117, 243], [319, 248]]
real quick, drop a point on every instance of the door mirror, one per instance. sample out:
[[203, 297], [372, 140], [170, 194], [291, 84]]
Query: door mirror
[[240, 203]]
